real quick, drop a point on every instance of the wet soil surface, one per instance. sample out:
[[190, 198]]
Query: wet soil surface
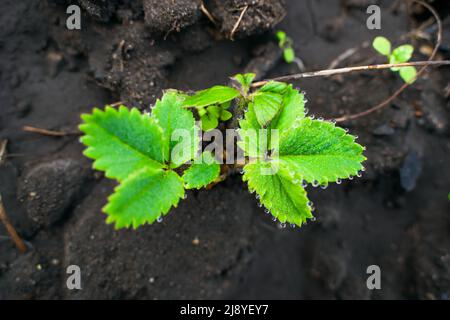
[[218, 243]]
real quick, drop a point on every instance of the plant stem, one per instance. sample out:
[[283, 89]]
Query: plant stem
[[10, 229], [330, 72]]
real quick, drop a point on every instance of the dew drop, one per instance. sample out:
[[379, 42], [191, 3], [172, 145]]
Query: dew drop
[[338, 181], [315, 183], [313, 219], [260, 205], [160, 219], [267, 211], [257, 196], [312, 117], [363, 169], [356, 137], [346, 130], [274, 219], [304, 184], [320, 118], [292, 226], [306, 110], [324, 186], [282, 225], [359, 174], [350, 177], [241, 171], [333, 121], [305, 100], [303, 92], [310, 204]]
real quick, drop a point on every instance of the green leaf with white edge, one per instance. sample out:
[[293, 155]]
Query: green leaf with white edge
[[174, 119], [408, 74], [274, 86], [209, 122], [289, 55], [203, 172], [253, 139], [213, 95], [143, 197], [266, 106], [245, 80], [122, 141], [286, 200], [319, 152], [382, 46], [292, 109]]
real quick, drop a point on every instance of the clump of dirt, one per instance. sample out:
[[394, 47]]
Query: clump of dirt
[[259, 15], [165, 16]]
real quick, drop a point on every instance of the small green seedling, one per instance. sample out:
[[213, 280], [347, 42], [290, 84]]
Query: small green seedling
[[156, 157], [400, 54], [285, 44]]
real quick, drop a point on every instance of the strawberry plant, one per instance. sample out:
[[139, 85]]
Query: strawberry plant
[[400, 54], [156, 157]]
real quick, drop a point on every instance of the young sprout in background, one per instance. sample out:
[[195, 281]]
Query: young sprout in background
[[285, 44], [400, 54]]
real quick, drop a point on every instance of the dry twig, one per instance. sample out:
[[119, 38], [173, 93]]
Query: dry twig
[[238, 22], [10, 229], [50, 133]]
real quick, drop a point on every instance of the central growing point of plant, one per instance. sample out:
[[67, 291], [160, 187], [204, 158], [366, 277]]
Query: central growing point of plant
[[284, 150]]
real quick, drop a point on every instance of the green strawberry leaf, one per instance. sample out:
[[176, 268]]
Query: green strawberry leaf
[[122, 141], [408, 74], [214, 111], [209, 122], [201, 174], [173, 119], [225, 115], [245, 80], [293, 109], [253, 141], [382, 46], [274, 86], [143, 197], [266, 106], [319, 152], [213, 95], [287, 201]]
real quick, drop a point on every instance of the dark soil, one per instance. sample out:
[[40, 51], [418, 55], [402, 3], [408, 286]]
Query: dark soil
[[218, 243]]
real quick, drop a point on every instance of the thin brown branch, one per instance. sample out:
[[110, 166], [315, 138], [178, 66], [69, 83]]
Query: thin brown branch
[[50, 133], [3, 144], [331, 72], [238, 22], [10, 229], [207, 13], [116, 104]]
